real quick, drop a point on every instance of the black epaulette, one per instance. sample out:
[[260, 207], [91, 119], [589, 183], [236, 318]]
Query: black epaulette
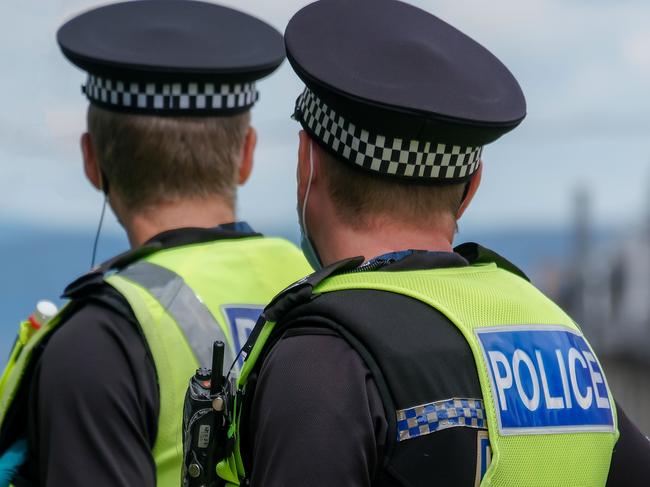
[[95, 277], [298, 293], [477, 254]]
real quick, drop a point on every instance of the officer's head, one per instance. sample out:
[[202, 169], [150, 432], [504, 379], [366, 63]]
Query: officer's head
[[149, 160], [342, 195], [171, 84], [395, 113]]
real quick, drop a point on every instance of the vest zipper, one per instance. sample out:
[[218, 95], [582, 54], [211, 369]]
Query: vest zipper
[[371, 266]]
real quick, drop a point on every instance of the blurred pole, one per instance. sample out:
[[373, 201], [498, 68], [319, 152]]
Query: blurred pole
[[581, 246], [582, 224], [647, 244], [647, 210]]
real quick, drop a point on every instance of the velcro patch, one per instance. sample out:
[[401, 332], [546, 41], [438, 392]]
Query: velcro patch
[[545, 379]]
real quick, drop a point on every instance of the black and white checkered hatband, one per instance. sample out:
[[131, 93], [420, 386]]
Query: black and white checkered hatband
[[175, 97], [421, 160]]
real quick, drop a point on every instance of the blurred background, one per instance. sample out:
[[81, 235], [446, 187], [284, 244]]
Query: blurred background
[[566, 197]]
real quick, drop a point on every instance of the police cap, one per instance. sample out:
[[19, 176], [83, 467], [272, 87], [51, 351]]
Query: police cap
[[396, 91], [171, 57]]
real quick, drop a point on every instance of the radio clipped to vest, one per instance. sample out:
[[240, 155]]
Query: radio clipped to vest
[[207, 416]]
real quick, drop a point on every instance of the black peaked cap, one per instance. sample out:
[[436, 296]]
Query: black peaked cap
[[149, 45], [394, 70]]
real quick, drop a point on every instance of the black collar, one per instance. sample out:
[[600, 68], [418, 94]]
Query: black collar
[[423, 259]]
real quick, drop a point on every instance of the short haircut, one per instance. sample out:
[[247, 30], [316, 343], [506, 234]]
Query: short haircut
[[149, 159], [361, 197]]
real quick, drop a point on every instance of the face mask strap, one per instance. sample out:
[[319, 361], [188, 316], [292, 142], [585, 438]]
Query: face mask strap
[[311, 175], [99, 231], [305, 242]]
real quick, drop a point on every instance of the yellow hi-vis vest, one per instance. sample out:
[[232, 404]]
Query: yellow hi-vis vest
[[550, 415], [184, 298]]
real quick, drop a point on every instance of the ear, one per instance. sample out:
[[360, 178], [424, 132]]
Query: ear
[[305, 168], [91, 164], [248, 153], [474, 183]]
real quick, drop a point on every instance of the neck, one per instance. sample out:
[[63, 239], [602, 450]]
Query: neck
[[343, 242], [143, 224]]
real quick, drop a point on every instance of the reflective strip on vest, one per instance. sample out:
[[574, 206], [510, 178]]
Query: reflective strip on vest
[[186, 308]]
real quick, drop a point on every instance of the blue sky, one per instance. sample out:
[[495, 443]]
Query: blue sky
[[583, 64]]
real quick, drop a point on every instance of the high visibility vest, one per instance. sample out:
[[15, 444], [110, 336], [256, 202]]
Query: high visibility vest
[[546, 405], [184, 298]]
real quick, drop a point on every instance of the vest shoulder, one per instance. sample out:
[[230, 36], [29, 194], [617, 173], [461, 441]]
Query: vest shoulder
[[277, 245], [278, 241]]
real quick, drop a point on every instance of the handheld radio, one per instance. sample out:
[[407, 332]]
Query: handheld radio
[[206, 419]]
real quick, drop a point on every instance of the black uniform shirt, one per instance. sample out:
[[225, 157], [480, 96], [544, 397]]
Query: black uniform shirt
[[318, 420], [94, 402]]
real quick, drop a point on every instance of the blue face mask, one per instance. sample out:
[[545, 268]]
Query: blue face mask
[[305, 242]]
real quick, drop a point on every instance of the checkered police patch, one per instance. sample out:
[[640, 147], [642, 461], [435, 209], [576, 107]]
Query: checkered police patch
[[409, 159], [435, 416], [190, 97]]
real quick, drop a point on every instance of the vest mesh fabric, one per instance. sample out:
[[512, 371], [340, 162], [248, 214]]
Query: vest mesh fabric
[[483, 296]]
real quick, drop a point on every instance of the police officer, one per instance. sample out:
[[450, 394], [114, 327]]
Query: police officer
[[416, 364], [98, 390]]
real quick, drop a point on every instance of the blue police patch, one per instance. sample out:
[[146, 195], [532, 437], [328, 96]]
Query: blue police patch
[[545, 379], [242, 319]]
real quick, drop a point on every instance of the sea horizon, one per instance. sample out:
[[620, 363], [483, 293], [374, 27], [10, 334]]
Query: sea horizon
[[39, 261]]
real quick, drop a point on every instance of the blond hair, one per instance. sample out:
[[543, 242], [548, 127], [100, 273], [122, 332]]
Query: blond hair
[[151, 159], [361, 197]]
